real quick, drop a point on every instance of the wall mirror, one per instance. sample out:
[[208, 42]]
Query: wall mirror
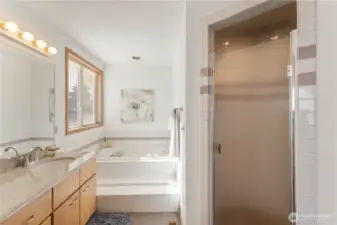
[[27, 98]]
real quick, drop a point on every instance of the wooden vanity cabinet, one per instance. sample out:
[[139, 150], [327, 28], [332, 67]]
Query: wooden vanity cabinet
[[69, 212], [34, 213], [47, 221], [87, 200], [63, 190], [87, 170], [71, 202]]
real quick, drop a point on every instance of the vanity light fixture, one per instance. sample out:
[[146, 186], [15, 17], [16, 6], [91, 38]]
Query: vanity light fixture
[[52, 50], [10, 30], [40, 44], [10, 26], [27, 36]]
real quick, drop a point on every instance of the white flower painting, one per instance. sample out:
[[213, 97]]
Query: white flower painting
[[137, 105]]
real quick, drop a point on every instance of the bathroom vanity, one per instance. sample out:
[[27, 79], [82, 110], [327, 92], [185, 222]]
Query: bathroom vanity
[[58, 190], [70, 200]]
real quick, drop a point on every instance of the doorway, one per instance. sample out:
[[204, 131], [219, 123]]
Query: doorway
[[254, 162]]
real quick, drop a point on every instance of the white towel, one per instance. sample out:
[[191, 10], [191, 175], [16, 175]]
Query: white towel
[[172, 136], [175, 137]]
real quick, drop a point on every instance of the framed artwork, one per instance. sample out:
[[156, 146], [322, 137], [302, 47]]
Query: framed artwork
[[137, 105]]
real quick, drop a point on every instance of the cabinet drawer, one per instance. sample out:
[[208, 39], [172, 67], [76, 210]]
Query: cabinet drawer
[[87, 170], [63, 190], [69, 212], [34, 213], [47, 221], [87, 200]]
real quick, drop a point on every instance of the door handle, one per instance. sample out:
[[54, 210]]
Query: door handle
[[218, 148]]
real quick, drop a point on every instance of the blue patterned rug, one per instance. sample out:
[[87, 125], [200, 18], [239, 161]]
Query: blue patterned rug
[[110, 219]]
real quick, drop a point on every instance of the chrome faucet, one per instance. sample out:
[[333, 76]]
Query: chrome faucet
[[33, 155], [12, 148]]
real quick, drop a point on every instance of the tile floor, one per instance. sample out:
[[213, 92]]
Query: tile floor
[[154, 218]]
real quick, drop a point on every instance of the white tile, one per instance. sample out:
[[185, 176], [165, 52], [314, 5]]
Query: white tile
[[306, 180], [204, 80], [204, 102], [307, 205], [307, 132], [307, 65], [307, 146], [307, 92], [306, 8], [306, 38], [307, 159], [306, 24], [306, 15], [306, 118], [307, 105]]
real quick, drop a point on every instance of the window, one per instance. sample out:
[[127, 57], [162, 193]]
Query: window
[[84, 94]]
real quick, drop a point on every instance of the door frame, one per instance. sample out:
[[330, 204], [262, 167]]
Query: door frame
[[234, 13]]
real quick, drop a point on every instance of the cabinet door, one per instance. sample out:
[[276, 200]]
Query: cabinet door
[[87, 170], [47, 221], [69, 212], [87, 200], [63, 190], [34, 213]]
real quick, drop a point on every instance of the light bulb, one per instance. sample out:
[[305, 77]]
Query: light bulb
[[11, 26], [27, 36], [274, 37], [40, 44], [52, 50], [226, 43]]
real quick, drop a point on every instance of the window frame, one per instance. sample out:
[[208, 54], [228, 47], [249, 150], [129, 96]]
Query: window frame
[[71, 55]]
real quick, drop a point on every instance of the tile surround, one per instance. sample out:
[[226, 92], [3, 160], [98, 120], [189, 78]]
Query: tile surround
[[307, 79], [307, 52]]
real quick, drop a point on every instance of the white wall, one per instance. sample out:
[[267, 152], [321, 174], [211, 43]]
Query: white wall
[[179, 100], [327, 109], [118, 77], [26, 20]]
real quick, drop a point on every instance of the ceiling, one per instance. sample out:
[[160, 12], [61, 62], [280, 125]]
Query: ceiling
[[115, 31]]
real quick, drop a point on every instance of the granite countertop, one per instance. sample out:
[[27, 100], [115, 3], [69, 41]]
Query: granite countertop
[[19, 187]]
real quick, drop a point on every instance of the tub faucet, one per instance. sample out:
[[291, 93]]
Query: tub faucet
[[12, 148]]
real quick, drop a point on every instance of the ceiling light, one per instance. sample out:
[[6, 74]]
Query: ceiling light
[[226, 43], [52, 50], [11, 26], [136, 57], [40, 43], [274, 38], [27, 36]]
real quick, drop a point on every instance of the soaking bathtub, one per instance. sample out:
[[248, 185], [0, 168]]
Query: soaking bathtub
[[137, 179], [124, 165]]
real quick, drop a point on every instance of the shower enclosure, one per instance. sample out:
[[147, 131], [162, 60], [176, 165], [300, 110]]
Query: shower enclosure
[[255, 130]]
